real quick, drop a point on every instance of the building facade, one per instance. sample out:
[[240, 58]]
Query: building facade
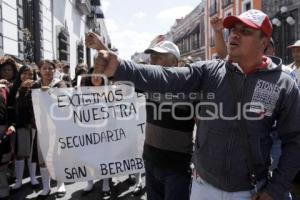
[[223, 8], [285, 16], [50, 29], [188, 34]]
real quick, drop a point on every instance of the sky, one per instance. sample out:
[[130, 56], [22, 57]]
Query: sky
[[133, 24]]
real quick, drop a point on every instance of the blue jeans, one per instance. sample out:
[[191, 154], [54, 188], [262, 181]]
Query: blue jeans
[[164, 184]]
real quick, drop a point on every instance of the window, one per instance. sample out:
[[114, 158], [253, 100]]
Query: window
[[195, 42], [179, 44], [88, 57], [247, 5], [202, 32], [63, 45], [212, 38], [80, 52], [187, 41], [213, 7]]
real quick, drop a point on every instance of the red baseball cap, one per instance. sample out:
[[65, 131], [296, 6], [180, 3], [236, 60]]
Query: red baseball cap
[[255, 19]]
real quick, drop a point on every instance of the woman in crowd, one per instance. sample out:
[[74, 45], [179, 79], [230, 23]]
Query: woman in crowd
[[92, 79], [25, 145], [6, 131], [47, 80], [8, 70]]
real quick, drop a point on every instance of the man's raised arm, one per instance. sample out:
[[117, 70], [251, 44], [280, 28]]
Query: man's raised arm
[[148, 78]]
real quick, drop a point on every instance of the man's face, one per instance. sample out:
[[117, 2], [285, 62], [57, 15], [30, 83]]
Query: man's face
[[296, 54], [244, 42], [162, 59]]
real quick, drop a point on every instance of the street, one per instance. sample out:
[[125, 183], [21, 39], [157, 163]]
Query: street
[[121, 190]]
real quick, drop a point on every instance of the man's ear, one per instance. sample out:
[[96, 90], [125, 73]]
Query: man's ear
[[265, 42]]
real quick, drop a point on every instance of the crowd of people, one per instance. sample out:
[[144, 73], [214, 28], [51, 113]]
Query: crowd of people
[[18, 135], [249, 156], [232, 151]]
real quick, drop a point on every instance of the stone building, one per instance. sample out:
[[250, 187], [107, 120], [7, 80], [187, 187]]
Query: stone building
[[32, 30], [189, 34]]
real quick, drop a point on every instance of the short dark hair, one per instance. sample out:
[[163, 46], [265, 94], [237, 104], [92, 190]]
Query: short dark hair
[[46, 61], [8, 60]]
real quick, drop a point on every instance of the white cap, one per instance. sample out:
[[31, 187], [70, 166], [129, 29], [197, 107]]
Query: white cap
[[296, 44], [165, 47]]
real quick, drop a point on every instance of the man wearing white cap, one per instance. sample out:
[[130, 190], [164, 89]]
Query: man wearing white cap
[[167, 50], [167, 162], [295, 66], [251, 92]]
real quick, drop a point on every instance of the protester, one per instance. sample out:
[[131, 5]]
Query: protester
[[47, 70], [8, 70], [66, 74], [92, 79], [295, 65], [221, 48], [58, 69], [167, 165], [217, 24], [80, 69], [232, 156], [26, 142], [6, 131]]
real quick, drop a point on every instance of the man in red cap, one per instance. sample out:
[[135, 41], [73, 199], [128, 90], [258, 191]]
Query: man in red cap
[[250, 92], [250, 34]]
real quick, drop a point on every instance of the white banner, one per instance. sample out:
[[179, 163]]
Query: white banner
[[90, 132]]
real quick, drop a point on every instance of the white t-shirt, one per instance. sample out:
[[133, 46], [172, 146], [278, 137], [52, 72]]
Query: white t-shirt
[[296, 70]]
